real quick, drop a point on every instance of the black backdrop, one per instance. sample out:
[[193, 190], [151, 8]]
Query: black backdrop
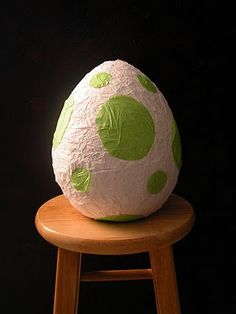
[[183, 46]]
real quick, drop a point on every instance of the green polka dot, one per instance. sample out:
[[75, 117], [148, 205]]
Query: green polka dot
[[121, 218], [125, 127], [100, 80], [176, 145], [63, 121], [156, 182], [80, 179], [147, 83]]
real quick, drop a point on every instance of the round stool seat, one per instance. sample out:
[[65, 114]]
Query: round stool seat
[[65, 227]]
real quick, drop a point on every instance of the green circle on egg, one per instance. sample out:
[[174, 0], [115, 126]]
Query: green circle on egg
[[63, 121], [156, 182], [121, 218], [176, 145], [125, 127], [147, 83], [100, 79], [80, 179]]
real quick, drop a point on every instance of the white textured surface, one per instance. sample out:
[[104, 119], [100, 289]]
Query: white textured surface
[[117, 186]]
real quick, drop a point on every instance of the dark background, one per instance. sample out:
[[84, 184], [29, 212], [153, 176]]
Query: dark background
[[183, 46]]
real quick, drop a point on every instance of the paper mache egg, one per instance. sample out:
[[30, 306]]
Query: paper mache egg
[[116, 149]]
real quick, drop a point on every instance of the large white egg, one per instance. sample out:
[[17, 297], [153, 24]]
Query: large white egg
[[116, 149]]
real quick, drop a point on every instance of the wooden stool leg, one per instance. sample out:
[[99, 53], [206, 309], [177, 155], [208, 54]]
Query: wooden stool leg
[[67, 282], [164, 280]]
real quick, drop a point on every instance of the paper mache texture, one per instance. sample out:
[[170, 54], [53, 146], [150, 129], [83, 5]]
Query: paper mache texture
[[116, 149]]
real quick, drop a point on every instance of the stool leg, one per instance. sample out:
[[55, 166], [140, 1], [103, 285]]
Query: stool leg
[[164, 280], [67, 282]]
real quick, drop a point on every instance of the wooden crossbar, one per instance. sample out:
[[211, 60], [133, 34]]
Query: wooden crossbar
[[117, 275]]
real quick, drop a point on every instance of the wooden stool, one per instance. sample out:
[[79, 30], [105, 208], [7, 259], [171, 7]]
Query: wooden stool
[[74, 234]]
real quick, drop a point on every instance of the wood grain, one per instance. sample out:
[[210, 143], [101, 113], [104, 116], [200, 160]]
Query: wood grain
[[67, 282], [164, 280], [117, 275], [65, 227]]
